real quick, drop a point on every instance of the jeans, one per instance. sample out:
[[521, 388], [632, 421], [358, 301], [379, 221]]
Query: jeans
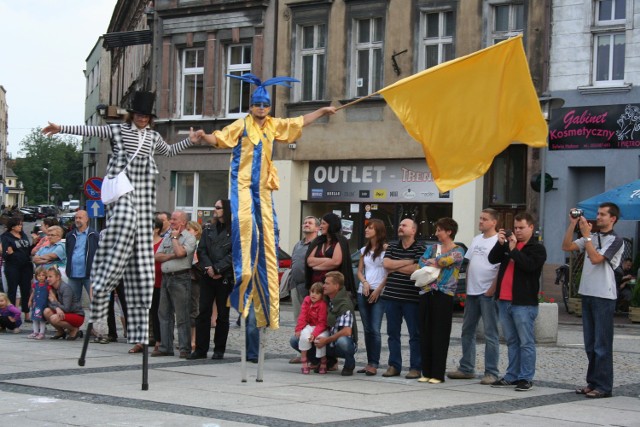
[[476, 307], [517, 324], [174, 308], [78, 284], [597, 328], [371, 316], [343, 348], [396, 311], [252, 334]]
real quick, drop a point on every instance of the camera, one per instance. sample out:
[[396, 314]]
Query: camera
[[576, 213], [507, 233]]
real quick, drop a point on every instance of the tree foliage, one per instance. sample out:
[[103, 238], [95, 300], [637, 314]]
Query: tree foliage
[[61, 155]]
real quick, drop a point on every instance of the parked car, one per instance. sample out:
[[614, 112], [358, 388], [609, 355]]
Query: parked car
[[284, 267], [74, 205], [28, 213], [67, 221], [461, 290], [48, 210]]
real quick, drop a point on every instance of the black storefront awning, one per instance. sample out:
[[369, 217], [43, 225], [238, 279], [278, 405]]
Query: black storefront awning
[[127, 38]]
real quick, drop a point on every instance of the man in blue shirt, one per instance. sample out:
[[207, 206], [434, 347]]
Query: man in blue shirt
[[81, 245]]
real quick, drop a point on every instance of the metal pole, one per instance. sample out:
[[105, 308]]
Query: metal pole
[[48, 185]]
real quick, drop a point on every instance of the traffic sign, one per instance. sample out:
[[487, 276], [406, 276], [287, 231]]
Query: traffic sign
[[95, 208], [92, 188]]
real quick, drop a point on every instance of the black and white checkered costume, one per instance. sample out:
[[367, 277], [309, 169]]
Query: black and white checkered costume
[[126, 248]]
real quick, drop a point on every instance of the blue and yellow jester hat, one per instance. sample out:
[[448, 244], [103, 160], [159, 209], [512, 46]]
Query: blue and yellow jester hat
[[260, 95]]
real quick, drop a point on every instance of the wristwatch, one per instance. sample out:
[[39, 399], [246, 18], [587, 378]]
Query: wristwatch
[[587, 239], [174, 237]]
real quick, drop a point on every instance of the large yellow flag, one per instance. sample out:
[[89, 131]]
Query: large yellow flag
[[466, 111]]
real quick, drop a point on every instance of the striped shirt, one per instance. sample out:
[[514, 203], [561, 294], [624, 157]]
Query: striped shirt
[[130, 136], [399, 286]]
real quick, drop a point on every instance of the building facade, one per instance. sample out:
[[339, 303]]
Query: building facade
[[594, 138], [359, 163]]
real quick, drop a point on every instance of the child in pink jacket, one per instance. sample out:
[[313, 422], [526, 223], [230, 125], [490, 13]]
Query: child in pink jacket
[[312, 323]]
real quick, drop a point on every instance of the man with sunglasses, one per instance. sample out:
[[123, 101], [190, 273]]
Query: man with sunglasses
[[254, 221]]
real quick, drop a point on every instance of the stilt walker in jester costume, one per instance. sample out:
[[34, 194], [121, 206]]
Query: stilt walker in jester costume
[[252, 178]]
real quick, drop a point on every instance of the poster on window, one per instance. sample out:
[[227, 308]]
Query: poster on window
[[595, 127]]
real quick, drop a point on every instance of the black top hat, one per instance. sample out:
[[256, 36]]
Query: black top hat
[[143, 103]]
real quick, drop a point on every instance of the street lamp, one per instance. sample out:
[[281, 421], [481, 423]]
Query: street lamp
[[48, 184]]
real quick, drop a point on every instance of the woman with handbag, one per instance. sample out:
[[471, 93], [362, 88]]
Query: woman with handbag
[[436, 301], [126, 249]]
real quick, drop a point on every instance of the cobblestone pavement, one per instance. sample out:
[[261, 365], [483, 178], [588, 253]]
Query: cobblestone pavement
[[41, 385]]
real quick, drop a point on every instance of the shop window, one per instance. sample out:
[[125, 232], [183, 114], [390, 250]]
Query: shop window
[[437, 30], [238, 92], [507, 177], [192, 84], [205, 187]]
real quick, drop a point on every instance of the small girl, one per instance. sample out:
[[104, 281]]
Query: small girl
[[10, 316], [312, 323], [38, 302]]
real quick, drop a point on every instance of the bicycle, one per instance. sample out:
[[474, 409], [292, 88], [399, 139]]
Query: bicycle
[[562, 276]]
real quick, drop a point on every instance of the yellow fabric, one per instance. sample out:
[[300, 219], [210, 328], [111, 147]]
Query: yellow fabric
[[280, 130], [466, 111]]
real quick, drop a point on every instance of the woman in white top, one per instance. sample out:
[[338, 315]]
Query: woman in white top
[[373, 277]]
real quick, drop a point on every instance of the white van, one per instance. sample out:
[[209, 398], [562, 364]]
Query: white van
[[74, 205]]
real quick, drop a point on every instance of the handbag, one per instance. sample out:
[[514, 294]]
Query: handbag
[[116, 187], [427, 274]]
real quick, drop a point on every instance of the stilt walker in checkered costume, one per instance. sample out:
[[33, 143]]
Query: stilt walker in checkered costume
[[252, 178], [126, 249]]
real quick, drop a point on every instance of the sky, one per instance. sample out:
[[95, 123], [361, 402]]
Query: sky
[[43, 48]]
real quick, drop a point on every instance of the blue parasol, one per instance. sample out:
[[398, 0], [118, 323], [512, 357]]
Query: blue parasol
[[627, 197]]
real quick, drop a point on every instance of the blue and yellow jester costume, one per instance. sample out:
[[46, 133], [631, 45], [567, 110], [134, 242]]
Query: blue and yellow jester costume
[[252, 178]]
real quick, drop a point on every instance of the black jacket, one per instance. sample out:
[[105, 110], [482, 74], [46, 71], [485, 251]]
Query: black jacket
[[214, 250], [527, 269], [346, 268], [21, 255]]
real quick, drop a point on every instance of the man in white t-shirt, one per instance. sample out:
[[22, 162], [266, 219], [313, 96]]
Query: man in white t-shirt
[[479, 303], [603, 252]]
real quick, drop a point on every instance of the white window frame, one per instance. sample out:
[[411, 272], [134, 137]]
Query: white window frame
[[192, 210], [240, 68], [607, 28], [371, 46], [187, 72], [318, 74], [498, 36], [441, 40]]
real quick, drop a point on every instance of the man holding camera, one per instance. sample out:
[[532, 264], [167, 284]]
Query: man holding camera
[[521, 259], [603, 251]]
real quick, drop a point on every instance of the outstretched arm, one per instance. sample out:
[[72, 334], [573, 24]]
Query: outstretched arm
[[209, 138], [320, 112]]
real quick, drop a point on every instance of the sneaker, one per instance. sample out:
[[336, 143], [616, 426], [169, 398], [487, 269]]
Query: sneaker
[[16, 331], [347, 372], [459, 375], [524, 385], [502, 383], [391, 372], [32, 335], [412, 374], [488, 379], [40, 336]]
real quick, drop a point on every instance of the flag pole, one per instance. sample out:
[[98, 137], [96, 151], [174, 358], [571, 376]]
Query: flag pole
[[358, 100]]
